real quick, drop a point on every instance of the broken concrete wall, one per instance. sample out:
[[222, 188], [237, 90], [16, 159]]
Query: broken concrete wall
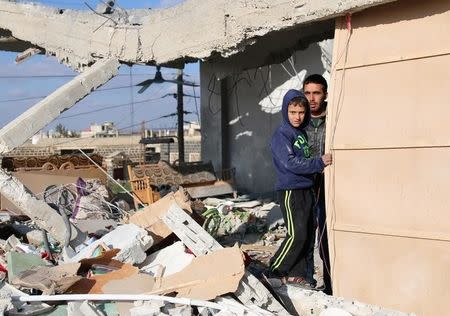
[[241, 111], [189, 31]]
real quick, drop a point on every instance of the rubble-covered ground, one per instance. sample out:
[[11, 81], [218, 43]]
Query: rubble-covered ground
[[177, 256]]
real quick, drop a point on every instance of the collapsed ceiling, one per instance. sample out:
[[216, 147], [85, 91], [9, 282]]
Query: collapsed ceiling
[[193, 30]]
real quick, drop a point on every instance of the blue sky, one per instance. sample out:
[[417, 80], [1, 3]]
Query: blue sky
[[23, 85]]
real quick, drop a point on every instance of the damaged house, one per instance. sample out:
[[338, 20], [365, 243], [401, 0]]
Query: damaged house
[[387, 64]]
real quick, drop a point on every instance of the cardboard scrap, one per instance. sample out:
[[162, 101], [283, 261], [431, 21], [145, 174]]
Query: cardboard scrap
[[49, 279], [150, 217], [205, 278], [219, 272], [93, 285]]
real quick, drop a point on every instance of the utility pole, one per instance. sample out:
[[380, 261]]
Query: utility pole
[[180, 116], [142, 145]]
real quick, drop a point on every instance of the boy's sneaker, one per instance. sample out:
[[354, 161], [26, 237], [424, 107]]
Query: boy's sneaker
[[298, 282]]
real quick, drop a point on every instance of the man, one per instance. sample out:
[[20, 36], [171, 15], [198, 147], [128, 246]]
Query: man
[[295, 170], [315, 90]]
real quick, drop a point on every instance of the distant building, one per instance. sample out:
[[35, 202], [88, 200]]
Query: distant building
[[107, 129]]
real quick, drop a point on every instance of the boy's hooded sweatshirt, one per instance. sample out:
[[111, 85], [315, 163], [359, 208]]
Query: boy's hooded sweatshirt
[[294, 166]]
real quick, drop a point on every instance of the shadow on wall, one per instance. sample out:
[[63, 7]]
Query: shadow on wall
[[419, 9]]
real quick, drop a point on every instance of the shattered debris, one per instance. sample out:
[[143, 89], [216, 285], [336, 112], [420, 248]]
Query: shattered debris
[[131, 261]]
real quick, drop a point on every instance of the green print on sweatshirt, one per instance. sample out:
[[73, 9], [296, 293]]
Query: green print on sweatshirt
[[302, 143]]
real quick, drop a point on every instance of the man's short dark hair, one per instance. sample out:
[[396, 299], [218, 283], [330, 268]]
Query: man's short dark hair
[[317, 79]]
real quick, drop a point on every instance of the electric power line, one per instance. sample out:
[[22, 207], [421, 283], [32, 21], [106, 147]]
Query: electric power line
[[74, 75], [56, 76], [107, 108], [41, 97], [147, 121]]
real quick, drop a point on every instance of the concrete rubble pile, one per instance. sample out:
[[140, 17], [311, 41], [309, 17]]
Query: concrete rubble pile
[[154, 261], [129, 263]]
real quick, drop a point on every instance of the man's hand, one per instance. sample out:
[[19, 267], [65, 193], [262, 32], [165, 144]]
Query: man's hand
[[327, 159]]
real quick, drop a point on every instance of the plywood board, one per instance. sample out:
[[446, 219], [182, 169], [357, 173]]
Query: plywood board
[[393, 191], [397, 31], [394, 105], [387, 190], [398, 273]]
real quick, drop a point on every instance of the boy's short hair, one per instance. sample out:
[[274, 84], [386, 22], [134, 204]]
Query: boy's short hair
[[299, 101], [317, 79]]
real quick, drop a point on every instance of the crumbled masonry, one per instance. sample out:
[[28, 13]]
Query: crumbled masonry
[[167, 36]]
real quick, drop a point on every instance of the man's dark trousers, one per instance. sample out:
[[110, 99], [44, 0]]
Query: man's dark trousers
[[323, 238]]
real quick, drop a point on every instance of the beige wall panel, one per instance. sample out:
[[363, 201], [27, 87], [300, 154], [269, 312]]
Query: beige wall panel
[[400, 30], [388, 190], [405, 274], [410, 109], [401, 192]]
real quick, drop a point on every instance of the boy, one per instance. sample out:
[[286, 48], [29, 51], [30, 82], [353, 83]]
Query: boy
[[295, 171]]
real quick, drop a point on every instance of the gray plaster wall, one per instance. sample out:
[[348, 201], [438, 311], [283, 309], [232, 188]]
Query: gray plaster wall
[[211, 115], [237, 126]]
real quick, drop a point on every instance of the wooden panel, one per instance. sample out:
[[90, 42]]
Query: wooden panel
[[387, 192], [396, 31], [405, 274], [398, 191], [395, 105]]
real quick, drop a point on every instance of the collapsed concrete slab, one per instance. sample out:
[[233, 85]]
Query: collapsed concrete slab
[[164, 36], [29, 123], [40, 115], [40, 212], [302, 302]]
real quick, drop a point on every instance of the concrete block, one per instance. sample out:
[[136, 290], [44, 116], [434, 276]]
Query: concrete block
[[132, 241], [172, 259], [148, 308], [35, 237], [218, 188], [274, 218], [300, 301], [181, 311], [96, 226], [86, 309]]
